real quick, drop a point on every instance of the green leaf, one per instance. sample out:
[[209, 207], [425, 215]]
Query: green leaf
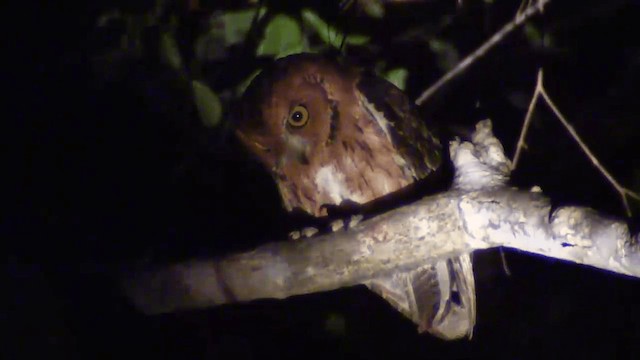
[[208, 104], [329, 34], [398, 77], [533, 35], [225, 29], [240, 88], [355, 39], [282, 37], [236, 24], [169, 52], [373, 8], [446, 53]]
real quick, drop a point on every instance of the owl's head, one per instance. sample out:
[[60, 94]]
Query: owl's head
[[291, 112]]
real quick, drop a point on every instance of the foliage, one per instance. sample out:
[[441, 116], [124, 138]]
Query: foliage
[[116, 86], [214, 51]]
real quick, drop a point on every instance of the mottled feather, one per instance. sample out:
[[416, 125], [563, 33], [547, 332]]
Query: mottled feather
[[331, 134]]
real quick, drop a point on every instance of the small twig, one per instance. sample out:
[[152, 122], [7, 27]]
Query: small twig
[[624, 192], [540, 91], [527, 121], [519, 19]]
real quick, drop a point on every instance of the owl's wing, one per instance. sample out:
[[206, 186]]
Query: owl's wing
[[440, 299], [409, 133]]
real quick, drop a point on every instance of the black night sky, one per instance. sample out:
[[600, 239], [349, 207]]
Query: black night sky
[[109, 167]]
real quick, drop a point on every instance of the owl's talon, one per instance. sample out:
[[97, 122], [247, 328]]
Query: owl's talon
[[309, 232], [304, 233], [337, 225], [340, 224], [294, 235], [355, 220]]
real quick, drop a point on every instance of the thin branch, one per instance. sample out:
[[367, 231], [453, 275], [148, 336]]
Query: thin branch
[[520, 18], [624, 192], [541, 91], [527, 121], [431, 230]]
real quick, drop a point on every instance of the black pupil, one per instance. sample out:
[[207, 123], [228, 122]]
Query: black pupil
[[297, 116]]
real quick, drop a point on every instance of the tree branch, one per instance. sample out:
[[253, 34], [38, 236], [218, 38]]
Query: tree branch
[[525, 13], [479, 212]]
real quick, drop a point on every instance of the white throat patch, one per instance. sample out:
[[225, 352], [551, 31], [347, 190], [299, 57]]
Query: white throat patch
[[331, 182]]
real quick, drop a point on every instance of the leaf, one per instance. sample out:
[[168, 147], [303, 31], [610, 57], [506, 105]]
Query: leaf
[[373, 8], [208, 104], [236, 24], [224, 29], [169, 52], [446, 54], [240, 88], [282, 37], [398, 77], [329, 34], [533, 35]]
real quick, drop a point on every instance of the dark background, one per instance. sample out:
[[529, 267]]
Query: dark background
[[106, 171]]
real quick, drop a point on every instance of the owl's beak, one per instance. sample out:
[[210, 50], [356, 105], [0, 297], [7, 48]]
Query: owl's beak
[[252, 144], [297, 149], [261, 147], [263, 152]]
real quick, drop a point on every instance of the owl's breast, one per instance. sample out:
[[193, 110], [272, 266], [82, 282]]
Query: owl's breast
[[357, 170]]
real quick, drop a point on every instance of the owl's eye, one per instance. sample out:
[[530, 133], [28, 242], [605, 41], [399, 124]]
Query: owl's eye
[[298, 117]]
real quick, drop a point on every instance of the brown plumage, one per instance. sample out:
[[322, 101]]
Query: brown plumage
[[330, 133], [349, 148]]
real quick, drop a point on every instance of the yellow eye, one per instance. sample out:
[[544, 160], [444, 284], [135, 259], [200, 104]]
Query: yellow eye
[[298, 117]]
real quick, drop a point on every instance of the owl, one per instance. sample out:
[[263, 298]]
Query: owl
[[332, 134]]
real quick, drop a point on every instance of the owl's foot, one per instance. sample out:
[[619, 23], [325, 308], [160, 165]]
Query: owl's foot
[[339, 224], [304, 233], [335, 225], [355, 220]]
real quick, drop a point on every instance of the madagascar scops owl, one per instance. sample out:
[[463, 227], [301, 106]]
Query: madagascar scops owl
[[331, 134]]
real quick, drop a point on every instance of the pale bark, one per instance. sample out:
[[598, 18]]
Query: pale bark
[[479, 212]]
